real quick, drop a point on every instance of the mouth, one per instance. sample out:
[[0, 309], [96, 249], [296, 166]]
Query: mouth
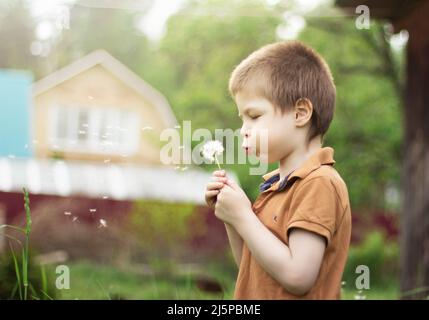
[[248, 150]]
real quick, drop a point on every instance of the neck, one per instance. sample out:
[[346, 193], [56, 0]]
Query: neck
[[297, 157]]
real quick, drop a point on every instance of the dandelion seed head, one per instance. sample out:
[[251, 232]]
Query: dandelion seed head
[[212, 149]]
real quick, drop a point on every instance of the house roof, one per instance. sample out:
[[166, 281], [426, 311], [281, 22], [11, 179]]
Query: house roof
[[108, 181], [101, 57]]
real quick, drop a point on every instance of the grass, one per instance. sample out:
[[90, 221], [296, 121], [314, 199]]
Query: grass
[[90, 281], [21, 271]]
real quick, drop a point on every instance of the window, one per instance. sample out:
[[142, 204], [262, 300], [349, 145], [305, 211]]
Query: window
[[104, 130]]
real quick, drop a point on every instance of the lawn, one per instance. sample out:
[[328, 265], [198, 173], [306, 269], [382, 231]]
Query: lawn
[[90, 281]]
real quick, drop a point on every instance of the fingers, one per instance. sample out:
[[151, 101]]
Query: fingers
[[219, 179], [212, 193], [219, 173], [214, 186], [231, 183]]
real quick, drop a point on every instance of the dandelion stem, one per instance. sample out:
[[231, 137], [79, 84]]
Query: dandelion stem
[[217, 162]]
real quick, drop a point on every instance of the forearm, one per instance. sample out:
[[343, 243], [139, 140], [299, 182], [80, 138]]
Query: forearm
[[273, 255], [236, 243]]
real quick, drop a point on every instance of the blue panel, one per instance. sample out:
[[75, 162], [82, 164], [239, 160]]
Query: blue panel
[[15, 101]]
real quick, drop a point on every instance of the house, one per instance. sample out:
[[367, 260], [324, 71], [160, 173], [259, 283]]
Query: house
[[88, 131], [96, 108], [92, 129]]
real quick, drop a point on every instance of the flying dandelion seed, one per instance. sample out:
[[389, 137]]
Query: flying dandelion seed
[[74, 219], [103, 223], [67, 213], [360, 296], [93, 210], [211, 150], [105, 197]]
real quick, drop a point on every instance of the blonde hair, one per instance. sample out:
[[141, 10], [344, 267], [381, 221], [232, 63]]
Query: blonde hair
[[291, 71]]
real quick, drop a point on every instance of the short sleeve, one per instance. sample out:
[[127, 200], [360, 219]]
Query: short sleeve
[[314, 207]]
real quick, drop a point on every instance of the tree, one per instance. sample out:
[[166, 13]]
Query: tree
[[16, 35]]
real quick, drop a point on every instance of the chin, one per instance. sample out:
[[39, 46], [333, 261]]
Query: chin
[[264, 158]]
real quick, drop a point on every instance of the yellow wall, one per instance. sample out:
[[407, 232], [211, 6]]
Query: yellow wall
[[97, 87]]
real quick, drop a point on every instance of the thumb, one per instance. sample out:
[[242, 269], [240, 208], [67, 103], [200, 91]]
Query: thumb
[[232, 184]]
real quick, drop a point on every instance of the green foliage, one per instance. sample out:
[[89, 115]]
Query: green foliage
[[367, 123], [41, 284], [159, 227], [380, 256], [366, 132], [21, 281], [204, 40], [16, 34], [199, 52]]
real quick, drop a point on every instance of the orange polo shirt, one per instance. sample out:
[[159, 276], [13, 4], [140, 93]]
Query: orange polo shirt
[[313, 197]]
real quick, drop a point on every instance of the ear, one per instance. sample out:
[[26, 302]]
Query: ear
[[303, 111]]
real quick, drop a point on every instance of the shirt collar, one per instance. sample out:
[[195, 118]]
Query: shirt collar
[[324, 156]]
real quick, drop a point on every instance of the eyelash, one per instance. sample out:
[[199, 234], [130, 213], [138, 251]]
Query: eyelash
[[254, 117]]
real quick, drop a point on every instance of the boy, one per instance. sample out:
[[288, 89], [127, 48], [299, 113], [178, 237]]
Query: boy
[[292, 243]]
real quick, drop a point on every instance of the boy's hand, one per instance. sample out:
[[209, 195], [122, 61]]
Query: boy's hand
[[232, 203], [213, 188]]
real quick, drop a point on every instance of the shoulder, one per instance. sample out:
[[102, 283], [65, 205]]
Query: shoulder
[[327, 179]]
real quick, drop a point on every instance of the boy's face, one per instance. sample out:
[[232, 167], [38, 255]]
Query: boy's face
[[267, 133]]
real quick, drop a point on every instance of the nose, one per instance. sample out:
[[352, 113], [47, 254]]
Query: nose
[[244, 131]]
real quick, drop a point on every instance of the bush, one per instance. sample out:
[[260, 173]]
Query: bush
[[161, 229], [380, 256]]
